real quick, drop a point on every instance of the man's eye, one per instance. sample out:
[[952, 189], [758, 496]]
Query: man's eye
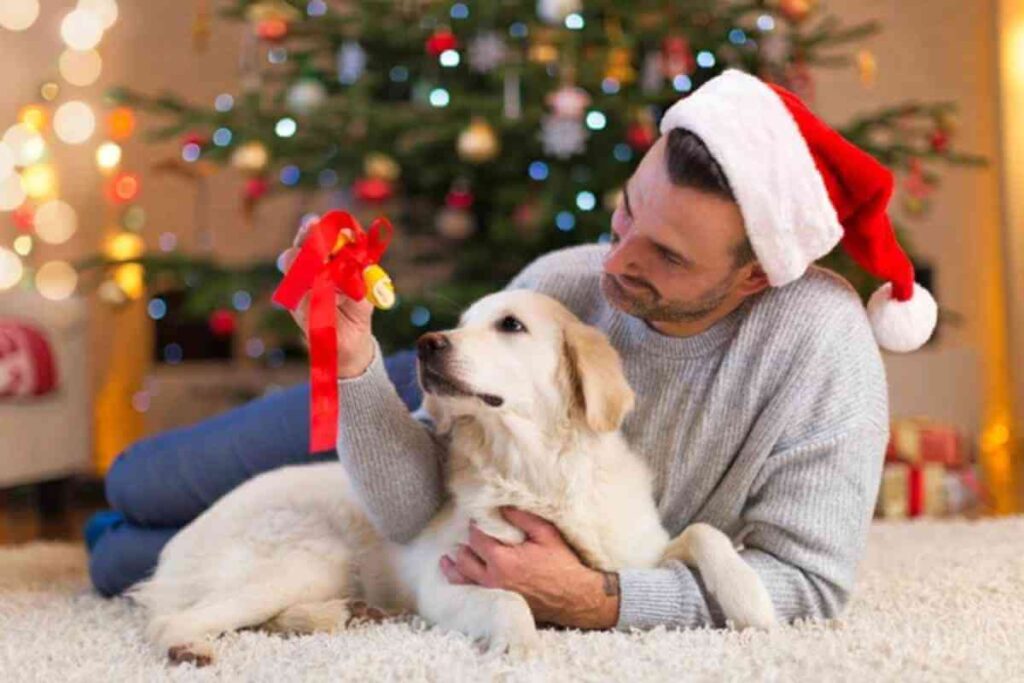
[[511, 324], [670, 258]]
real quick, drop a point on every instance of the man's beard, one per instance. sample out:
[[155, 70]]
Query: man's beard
[[646, 303]]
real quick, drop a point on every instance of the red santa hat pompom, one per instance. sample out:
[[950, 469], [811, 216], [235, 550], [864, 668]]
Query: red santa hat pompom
[[802, 188]]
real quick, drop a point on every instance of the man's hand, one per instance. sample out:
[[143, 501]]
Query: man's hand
[[355, 340], [543, 569]]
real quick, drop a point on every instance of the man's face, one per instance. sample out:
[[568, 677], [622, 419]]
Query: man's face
[[672, 255]]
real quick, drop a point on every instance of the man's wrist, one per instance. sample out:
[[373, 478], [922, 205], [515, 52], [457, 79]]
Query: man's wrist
[[354, 366], [600, 607]]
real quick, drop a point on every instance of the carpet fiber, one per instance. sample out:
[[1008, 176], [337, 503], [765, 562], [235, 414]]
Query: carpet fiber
[[935, 601]]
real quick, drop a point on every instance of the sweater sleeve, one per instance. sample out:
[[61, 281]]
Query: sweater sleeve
[[392, 456], [806, 525]]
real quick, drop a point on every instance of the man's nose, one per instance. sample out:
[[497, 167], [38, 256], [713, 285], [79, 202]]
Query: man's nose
[[620, 258], [432, 344]]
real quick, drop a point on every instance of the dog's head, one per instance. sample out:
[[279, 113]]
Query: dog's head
[[523, 353]]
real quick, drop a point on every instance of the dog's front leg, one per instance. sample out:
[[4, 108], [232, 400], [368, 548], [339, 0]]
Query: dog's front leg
[[501, 619], [494, 525]]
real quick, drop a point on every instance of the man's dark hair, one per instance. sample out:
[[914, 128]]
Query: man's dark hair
[[690, 164]]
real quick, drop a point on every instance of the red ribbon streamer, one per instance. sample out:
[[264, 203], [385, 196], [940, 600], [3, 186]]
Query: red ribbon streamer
[[319, 271]]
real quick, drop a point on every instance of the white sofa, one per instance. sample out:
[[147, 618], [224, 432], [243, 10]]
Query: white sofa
[[49, 436]]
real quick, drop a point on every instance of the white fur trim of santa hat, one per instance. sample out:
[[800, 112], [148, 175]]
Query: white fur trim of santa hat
[[902, 326], [789, 217]]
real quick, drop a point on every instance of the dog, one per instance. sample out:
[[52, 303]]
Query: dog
[[528, 401]]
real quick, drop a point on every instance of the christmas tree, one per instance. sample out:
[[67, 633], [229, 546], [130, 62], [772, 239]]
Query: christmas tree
[[491, 131]]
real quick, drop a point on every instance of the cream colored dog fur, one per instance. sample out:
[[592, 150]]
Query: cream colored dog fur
[[529, 402]]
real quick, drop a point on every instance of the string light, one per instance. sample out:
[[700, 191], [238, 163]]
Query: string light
[[157, 308], [459, 11], [586, 201], [705, 59], [34, 117], [108, 156], [565, 221], [80, 67], [105, 10], [26, 145], [56, 280], [765, 22], [574, 21], [420, 316], [682, 83], [121, 123], [55, 221], [11, 269], [18, 15], [224, 102], [6, 161], [439, 97], [286, 127], [23, 245], [596, 120], [81, 29], [74, 122], [39, 181], [12, 194], [449, 58]]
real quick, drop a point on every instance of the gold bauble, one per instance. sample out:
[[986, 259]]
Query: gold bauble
[[272, 10], [797, 10], [381, 166], [456, 224], [867, 66], [250, 157], [620, 65], [479, 143]]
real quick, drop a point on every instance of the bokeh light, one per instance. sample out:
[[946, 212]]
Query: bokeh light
[[123, 188], [6, 161], [121, 123], [11, 269], [23, 245], [105, 10], [26, 145], [12, 194], [74, 122], [56, 280], [108, 156], [80, 67], [34, 116], [18, 15], [55, 221], [39, 181], [124, 246], [81, 29]]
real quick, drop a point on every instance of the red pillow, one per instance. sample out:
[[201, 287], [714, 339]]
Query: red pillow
[[26, 361]]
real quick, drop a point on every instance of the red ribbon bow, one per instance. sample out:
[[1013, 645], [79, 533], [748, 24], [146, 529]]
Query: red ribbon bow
[[322, 271]]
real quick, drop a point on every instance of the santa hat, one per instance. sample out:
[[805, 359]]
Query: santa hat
[[802, 188]]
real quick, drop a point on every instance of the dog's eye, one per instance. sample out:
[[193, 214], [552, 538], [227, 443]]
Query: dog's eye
[[511, 324]]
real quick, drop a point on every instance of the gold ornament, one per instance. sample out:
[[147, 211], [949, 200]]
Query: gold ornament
[[381, 166], [542, 48], [478, 144], [250, 157], [797, 10], [272, 10], [867, 65], [620, 65], [456, 224]]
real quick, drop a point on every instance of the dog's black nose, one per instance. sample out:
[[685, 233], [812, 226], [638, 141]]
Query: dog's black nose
[[432, 344]]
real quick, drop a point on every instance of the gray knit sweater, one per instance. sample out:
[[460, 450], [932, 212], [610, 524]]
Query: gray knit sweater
[[771, 426]]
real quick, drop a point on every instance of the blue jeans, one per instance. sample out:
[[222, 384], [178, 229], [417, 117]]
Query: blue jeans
[[162, 483]]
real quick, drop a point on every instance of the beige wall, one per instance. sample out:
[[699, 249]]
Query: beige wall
[[930, 49]]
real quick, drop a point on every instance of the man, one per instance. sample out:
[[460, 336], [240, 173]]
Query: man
[[761, 398]]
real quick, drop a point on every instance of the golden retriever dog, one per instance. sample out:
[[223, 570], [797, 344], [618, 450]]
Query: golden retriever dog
[[528, 401]]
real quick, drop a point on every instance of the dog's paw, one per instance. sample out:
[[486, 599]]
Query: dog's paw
[[199, 654], [514, 631]]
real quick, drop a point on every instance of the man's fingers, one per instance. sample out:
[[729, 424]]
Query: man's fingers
[[303, 231], [469, 564], [482, 544], [287, 258], [536, 528], [451, 572]]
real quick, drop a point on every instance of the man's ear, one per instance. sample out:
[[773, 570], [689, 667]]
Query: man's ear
[[600, 394], [753, 279]]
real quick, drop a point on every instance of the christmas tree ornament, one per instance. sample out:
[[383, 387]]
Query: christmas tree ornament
[[250, 157], [620, 65], [939, 140], [526, 218], [194, 138], [123, 188], [867, 68], [487, 52], [677, 57], [372, 190], [111, 293], [255, 189], [774, 49], [840, 191], [555, 11], [797, 10], [350, 62], [271, 19], [27, 366], [24, 218], [222, 322], [381, 166], [201, 26], [542, 47], [652, 77], [479, 143], [121, 123], [306, 96], [562, 137], [918, 189], [455, 221], [336, 257], [441, 40], [568, 102]]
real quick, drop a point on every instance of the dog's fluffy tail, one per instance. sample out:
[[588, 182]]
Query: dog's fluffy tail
[[733, 583]]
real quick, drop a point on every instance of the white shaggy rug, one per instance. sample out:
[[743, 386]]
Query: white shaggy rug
[[935, 601]]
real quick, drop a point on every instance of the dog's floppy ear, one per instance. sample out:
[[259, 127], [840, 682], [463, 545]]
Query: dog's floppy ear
[[600, 392]]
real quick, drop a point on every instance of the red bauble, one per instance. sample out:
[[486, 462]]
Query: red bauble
[[459, 199], [272, 30], [640, 137], [677, 57], [255, 188], [372, 189], [27, 365], [24, 218], [940, 140], [222, 322], [442, 40]]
